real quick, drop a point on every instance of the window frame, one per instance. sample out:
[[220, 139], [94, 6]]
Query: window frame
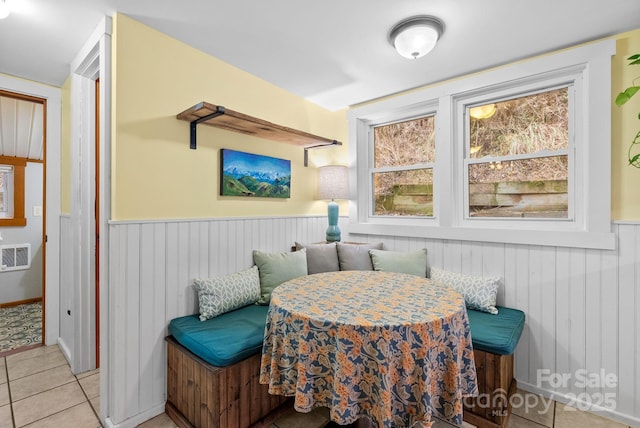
[[422, 109], [416, 166], [570, 78], [18, 219], [587, 66]]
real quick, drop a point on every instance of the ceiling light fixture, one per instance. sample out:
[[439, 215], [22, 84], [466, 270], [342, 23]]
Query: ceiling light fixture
[[4, 9], [416, 36]]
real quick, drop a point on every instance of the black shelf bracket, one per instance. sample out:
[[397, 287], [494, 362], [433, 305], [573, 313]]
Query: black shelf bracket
[[194, 123], [319, 146]]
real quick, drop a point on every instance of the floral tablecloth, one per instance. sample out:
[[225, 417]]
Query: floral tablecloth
[[394, 347]]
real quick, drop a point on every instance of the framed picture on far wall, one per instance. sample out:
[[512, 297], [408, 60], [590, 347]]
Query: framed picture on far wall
[[248, 174]]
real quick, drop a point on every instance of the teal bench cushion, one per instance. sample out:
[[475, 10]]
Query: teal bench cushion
[[225, 339], [497, 334]]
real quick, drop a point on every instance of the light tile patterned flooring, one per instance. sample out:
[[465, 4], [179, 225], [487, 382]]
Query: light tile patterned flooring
[[37, 390]]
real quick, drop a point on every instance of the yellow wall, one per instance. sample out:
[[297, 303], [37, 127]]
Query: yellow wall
[[155, 173], [65, 149], [625, 179]]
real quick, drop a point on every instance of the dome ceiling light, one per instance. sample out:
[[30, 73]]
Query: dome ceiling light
[[4, 9], [416, 36]]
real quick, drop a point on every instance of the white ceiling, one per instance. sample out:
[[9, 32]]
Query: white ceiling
[[333, 52]]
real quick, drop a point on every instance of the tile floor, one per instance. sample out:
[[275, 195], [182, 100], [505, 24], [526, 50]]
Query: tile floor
[[37, 389], [547, 413]]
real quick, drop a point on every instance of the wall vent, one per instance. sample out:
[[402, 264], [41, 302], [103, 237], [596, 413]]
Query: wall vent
[[15, 257]]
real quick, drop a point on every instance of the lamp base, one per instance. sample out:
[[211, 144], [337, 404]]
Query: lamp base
[[333, 234], [333, 231]]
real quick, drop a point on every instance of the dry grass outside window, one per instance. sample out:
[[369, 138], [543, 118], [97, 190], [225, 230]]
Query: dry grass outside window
[[525, 125], [403, 144]]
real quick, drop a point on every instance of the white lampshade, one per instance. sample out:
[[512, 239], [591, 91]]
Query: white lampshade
[[333, 182], [4, 9], [416, 36]]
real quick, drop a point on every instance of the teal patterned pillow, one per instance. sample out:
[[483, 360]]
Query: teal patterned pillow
[[479, 292], [219, 295]]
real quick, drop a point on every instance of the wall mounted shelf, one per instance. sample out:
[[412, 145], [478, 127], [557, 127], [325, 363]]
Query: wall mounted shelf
[[220, 117]]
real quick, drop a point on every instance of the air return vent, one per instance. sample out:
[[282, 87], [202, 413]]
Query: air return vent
[[15, 257]]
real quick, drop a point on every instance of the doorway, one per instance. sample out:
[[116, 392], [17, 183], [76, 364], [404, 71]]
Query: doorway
[[22, 221]]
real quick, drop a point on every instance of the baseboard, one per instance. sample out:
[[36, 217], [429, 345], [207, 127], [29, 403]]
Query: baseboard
[[136, 420], [65, 351], [20, 302]]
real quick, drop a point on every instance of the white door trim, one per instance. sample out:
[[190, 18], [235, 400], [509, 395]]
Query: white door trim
[[93, 62]]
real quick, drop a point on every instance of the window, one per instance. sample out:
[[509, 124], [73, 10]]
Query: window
[[12, 191], [403, 159], [6, 185], [523, 149], [517, 157]]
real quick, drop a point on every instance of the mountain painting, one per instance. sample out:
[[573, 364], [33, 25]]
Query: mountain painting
[[247, 174]]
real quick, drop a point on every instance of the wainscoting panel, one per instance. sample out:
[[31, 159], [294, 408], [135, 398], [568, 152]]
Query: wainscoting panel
[[582, 306], [152, 266]]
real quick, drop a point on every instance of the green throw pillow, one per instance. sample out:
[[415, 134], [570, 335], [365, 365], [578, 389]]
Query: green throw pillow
[[413, 262], [479, 292], [276, 268], [219, 295]]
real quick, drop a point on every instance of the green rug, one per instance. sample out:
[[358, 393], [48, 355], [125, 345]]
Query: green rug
[[20, 326]]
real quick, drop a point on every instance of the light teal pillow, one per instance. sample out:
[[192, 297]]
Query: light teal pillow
[[413, 262], [479, 292], [276, 268], [219, 295]]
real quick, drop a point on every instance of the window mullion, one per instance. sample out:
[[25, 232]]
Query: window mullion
[[541, 154], [403, 168]]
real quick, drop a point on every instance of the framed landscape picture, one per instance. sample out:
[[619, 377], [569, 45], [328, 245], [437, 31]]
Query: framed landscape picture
[[247, 174]]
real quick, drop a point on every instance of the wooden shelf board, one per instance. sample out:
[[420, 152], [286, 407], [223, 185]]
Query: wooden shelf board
[[249, 125]]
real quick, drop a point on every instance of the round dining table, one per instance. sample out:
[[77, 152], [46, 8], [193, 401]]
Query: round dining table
[[393, 347]]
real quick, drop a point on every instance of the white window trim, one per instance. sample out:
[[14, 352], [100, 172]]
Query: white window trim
[[569, 77], [591, 227], [415, 112]]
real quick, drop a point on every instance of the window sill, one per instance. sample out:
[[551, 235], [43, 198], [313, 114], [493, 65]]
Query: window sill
[[573, 239]]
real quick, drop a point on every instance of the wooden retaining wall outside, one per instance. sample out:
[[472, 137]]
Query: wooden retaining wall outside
[[547, 198]]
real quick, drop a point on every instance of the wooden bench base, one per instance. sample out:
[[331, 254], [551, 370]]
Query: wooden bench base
[[496, 385], [202, 395]]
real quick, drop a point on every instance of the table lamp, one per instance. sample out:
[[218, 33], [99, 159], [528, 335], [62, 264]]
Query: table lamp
[[333, 183]]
